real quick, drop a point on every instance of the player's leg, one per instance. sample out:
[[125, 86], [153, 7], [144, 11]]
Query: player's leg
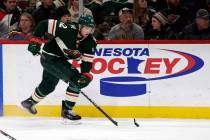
[[68, 104], [56, 69], [66, 72], [46, 86], [72, 93], [62, 69], [59, 67]]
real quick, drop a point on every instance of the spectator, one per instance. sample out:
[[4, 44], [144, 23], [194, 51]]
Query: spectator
[[102, 29], [9, 16], [178, 16], [194, 5], [94, 5], [23, 4], [143, 14], [32, 4], [96, 8], [46, 10], [200, 29], [111, 7], [74, 11], [63, 14], [126, 29], [25, 28], [160, 30]]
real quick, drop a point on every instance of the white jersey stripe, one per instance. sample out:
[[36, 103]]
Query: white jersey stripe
[[87, 59], [88, 55], [60, 44], [52, 26]]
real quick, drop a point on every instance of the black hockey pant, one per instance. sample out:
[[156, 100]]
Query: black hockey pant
[[55, 68]]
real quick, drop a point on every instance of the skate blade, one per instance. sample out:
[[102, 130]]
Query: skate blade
[[70, 122]]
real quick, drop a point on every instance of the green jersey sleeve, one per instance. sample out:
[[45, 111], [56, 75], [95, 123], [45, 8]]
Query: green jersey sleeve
[[87, 48], [53, 27], [49, 26], [64, 35]]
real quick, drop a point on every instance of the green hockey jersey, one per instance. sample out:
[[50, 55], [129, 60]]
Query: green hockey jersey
[[65, 37]]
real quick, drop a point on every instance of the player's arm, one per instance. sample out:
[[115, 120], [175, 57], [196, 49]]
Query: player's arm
[[86, 65], [36, 40], [88, 55], [50, 26], [59, 29], [88, 50], [56, 29]]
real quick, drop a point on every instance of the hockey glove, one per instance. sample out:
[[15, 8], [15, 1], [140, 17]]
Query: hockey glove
[[72, 54], [34, 45], [34, 49], [84, 80]]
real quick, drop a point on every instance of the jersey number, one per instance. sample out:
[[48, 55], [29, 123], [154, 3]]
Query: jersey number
[[62, 25]]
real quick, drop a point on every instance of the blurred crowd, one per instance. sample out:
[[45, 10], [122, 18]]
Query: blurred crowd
[[115, 19]]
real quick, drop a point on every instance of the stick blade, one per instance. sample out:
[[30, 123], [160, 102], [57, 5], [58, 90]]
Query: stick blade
[[136, 124]]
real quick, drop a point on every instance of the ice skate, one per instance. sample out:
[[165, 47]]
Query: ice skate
[[69, 116], [29, 106]]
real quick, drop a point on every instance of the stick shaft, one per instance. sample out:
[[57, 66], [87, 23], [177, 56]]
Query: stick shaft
[[7, 135], [101, 110]]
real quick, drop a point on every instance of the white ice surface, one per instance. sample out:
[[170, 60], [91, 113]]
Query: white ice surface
[[102, 129]]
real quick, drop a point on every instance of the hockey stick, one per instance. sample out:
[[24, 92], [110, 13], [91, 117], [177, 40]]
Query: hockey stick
[[7, 135], [103, 112], [98, 107]]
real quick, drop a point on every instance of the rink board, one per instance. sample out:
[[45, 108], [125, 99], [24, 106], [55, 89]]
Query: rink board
[[171, 81]]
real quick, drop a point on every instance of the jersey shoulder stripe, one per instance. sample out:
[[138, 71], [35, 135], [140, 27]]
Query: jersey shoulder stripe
[[52, 26]]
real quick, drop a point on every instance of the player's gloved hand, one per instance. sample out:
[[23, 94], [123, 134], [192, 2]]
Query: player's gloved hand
[[33, 48], [84, 80], [72, 54], [34, 45]]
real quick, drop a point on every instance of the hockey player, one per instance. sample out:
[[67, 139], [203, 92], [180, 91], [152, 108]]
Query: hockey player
[[69, 42]]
